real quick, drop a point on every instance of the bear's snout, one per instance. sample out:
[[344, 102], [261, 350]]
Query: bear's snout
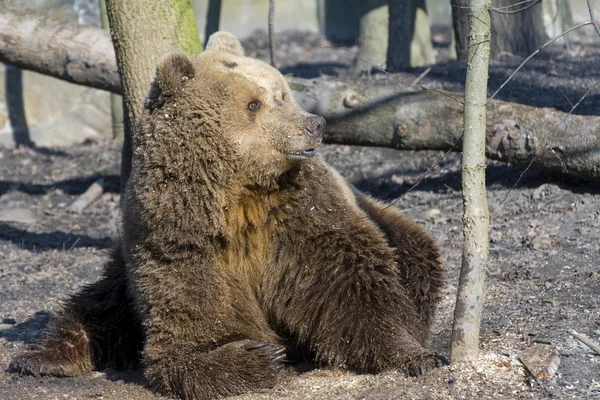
[[315, 126]]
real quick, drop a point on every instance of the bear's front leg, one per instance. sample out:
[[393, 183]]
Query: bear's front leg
[[231, 369], [417, 256], [339, 291], [205, 334]]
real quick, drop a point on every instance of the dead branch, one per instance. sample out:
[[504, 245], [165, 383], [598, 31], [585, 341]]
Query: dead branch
[[503, 10], [88, 197], [585, 340]]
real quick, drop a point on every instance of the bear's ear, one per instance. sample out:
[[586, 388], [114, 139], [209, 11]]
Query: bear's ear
[[225, 41], [173, 70]]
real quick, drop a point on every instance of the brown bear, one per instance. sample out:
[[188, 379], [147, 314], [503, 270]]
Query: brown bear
[[239, 244]]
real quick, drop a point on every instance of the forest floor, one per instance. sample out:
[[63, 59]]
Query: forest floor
[[543, 281]]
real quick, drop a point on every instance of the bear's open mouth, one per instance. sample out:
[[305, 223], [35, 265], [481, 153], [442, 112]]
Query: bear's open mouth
[[308, 153]]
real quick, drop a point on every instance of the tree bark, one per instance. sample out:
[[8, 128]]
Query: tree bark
[[409, 36], [476, 215], [460, 25], [382, 113], [116, 100], [372, 35], [142, 32], [557, 19], [520, 33], [213, 18]]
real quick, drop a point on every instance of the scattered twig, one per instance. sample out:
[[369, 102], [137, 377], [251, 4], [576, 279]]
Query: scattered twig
[[423, 75], [426, 174], [533, 54], [501, 10], [579, 102], [566, 97], [511, 5], [74, 244], [271, 12], [521, 176], [87, 197], [585, 340]]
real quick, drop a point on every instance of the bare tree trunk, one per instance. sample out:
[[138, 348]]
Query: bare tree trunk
[[379, 113], [13, 80], [213, 18], [116, 100], [409, 43], [518, 33], [142, 32], [476, 218], [557, 19], [460, 24], [271, 32], [372, 36]]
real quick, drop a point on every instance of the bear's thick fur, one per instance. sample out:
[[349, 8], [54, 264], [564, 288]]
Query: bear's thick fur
[[239, 243]]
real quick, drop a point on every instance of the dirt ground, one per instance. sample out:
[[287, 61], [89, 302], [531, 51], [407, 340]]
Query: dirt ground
[[544, 278]]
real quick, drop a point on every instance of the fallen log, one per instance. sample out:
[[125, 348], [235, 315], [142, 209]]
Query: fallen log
[[369, 113], [385, 115], [75, 53]]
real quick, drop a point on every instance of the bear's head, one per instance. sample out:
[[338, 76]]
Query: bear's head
[[230, 109]]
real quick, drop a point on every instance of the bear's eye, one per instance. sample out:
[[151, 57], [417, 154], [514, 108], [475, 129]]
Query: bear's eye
[[254, 105]]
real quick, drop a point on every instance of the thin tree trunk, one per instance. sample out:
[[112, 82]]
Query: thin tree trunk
[[409, 37], [378, 113], [471, 285], [142, 32], [271, 32], [372, 36], [460, 23], [13, 80], [116, 100], [557, 19], [213, 18]]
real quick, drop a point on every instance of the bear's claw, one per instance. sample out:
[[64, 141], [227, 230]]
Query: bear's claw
[[424, 363]]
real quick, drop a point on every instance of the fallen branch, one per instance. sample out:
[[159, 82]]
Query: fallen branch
[[88, 197], [585, 340], [383, 113], [75, 53]]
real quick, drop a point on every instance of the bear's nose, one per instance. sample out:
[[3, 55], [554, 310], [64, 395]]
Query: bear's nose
[[315, 126]]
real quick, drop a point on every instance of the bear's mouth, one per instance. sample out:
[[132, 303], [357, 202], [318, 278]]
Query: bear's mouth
[[308, 153]]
